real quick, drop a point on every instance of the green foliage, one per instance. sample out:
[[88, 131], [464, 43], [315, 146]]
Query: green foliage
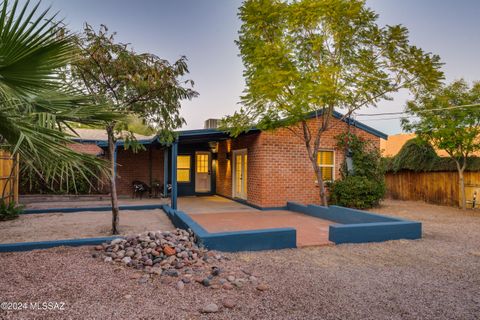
[[449, 118], [307, 55], [366, 157], [35, 106], [9, 211], [419, 156], [446, 126], [31, 182], [141, 86], [416, 155], [357, 192], [364, 186], [437, 165]]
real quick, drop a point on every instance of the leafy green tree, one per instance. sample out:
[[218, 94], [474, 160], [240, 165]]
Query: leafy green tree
[[449, 119], [130, 83], [35, 105], [312, 56]]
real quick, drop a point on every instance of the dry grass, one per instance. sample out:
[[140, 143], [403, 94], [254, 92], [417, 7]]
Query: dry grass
[[434, 278]]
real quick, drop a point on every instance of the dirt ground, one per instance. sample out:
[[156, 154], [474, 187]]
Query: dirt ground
[[88, 224], [436, 277]]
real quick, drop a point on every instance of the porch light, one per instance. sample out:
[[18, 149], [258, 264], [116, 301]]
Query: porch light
[[213, 145]]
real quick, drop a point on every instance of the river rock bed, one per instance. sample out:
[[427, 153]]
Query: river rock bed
[[175, 256]]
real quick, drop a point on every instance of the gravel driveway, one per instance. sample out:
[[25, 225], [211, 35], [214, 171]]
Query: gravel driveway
[[437, 277]]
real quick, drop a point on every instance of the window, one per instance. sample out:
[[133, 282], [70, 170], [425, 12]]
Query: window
[[183, 168], [202, 163], [325, 161]]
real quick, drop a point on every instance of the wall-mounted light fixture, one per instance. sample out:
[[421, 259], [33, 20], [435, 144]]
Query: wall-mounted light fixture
[[213, 145]]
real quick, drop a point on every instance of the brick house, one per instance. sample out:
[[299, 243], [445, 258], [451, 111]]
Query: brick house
[[262, 168]]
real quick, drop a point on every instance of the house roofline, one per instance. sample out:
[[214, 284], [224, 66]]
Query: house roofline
[[197, 133]]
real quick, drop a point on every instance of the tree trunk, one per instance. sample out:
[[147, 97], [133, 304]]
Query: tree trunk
[[321, 185], [312, 155], [113, 182], [463, 199]]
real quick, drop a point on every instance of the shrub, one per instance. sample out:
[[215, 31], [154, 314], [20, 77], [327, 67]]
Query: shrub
[[9, 211], [415, 155], [419, 156], [364, 186], [357, 192]]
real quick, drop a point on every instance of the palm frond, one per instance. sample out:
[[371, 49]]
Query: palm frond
[[35, 106]]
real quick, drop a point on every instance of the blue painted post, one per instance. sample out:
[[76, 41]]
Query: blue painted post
[[174, 175], [165, 172]]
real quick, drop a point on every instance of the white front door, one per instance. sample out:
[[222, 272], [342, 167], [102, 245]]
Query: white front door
[[203, 181], [239, 184]]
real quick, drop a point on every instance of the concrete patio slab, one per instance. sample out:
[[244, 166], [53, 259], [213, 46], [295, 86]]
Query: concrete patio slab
[[211, 204], [310, 231]]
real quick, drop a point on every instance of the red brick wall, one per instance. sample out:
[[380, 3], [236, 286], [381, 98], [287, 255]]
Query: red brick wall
[[135, 166], [278, 166]]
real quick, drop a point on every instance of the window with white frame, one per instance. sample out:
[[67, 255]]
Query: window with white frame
[[326, 162]]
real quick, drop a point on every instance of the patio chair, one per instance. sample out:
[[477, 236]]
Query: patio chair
[[139, 188]]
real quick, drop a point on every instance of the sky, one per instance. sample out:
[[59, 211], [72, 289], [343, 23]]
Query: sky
[[205, 30]]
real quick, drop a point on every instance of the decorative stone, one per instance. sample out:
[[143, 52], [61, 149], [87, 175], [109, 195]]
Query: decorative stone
[[227, 286], [169, 251], [210, 308], [262, 287], [206, 282], [170, 272], [148, 262], [229, 303], [180, 285], [215, 271], [116, 241]]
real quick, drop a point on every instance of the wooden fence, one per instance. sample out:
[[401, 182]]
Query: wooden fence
[[9, 169], [433, 187]]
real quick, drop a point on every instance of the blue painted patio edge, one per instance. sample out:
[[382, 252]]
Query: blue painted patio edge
[[250, 240], [357, 226], [83, 209], [27, 246]]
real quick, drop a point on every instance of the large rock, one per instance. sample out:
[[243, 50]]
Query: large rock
[[210, 308]]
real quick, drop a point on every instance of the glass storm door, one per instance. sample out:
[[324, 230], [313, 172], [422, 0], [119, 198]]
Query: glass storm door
[[203, 181], [240, 174]]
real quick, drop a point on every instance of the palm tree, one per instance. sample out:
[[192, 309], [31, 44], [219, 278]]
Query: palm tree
[[35, 105]]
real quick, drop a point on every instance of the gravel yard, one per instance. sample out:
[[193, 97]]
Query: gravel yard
[[88, 224], [434, 278]]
